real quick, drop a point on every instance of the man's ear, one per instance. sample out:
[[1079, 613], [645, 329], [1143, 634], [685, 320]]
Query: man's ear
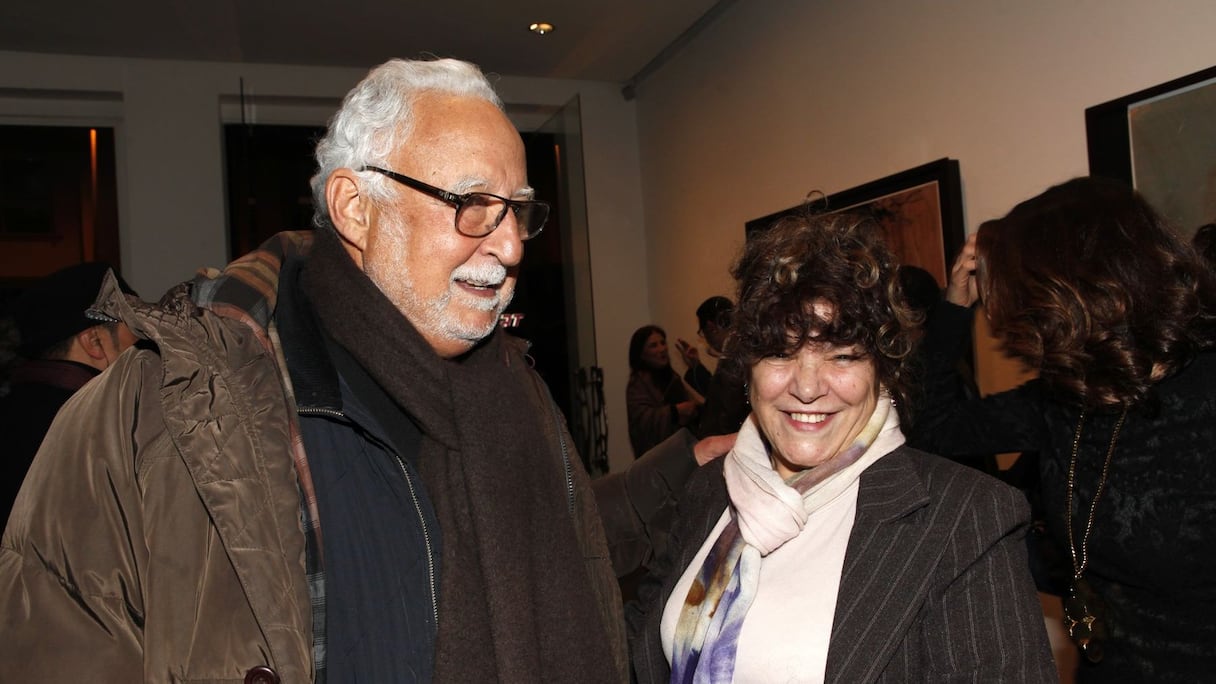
[[349, 208], [90, 343]]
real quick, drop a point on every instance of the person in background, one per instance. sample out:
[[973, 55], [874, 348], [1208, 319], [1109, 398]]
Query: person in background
[[63, 349], [821, 548], [725, 402], [638, 504], [657, 401], [1086, 283], [713, 325], [330, 464]]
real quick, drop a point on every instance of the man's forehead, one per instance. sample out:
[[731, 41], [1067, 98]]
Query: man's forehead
[[466, 143], [445, 118]]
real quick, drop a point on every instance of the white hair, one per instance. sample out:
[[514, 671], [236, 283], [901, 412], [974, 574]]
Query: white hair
[[379, 112]]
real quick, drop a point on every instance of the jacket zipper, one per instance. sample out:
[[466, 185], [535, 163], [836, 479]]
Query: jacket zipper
[[426, 533], [557, 425], [426, 538], [321, 412]]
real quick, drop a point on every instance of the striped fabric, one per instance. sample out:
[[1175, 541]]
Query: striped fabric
[[767, 513]]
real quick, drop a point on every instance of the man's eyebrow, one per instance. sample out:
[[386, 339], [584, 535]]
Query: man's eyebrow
[[479, 184], [468, 185]]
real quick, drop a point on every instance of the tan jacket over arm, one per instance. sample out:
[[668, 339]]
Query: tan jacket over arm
[[150, 546]]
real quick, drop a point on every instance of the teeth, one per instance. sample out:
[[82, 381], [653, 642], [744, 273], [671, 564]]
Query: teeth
[[809, 417]]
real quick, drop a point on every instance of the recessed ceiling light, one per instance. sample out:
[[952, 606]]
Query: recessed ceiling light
[[540, 28]]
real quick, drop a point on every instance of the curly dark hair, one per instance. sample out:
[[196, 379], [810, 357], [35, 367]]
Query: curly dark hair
[[840, 259], [1087, 283]]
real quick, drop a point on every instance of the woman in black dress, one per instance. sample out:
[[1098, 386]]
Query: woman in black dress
[[1088, 285]]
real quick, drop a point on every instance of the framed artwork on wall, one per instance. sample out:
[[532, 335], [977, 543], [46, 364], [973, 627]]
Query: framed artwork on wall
[[920, 211], [1162, 141]]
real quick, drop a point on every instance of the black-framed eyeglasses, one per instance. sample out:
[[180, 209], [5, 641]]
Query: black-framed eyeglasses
[[479, 213]]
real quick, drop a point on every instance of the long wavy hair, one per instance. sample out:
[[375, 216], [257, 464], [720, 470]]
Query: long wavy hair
[[1088, 284], [841, 260]]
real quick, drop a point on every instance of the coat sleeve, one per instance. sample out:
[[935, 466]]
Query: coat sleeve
[[725, 407], [72, 558], [650, 416], [698, 378], [946, 422], [987, 626], [638, 504], [699, 508]]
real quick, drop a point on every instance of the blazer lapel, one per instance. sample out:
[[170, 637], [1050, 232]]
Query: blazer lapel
[[886, 571], [885, 578]]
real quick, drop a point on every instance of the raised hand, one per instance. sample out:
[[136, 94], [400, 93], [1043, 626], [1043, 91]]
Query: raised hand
[[690, 354], [962, 288]]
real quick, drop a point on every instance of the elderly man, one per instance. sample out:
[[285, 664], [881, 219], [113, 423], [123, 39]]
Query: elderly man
[[332, 466]]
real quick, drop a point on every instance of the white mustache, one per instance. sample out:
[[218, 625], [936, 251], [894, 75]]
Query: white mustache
[[485, 275]]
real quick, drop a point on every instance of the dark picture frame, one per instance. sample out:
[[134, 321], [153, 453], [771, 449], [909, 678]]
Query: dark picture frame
[[920, 211], [1148, 139]]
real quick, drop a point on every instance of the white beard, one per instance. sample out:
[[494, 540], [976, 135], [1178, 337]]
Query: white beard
[[434, 318]]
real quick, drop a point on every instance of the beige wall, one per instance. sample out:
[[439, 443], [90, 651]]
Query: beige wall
[[172, 212], [779, 97]]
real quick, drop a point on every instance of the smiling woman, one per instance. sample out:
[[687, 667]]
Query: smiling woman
[[813, 401], [821, 548]]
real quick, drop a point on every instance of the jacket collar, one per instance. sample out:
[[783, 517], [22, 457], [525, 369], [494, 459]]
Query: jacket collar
[[314, 379], [246, 290], [891, 488], [60, 373], [325, 378]]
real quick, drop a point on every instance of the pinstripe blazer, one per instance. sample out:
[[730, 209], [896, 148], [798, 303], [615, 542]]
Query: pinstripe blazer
[[935, 585]]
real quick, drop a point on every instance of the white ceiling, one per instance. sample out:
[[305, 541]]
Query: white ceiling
[[602, 40]]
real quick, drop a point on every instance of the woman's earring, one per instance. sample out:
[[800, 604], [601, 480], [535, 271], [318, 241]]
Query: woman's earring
[[747, 399]]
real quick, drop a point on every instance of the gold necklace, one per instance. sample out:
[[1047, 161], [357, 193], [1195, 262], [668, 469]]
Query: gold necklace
[[1083, 608]]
